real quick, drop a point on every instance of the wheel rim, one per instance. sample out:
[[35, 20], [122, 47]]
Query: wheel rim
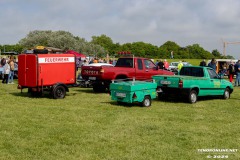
[[59, 92], [147, 102], [193, 98], [226, 94]]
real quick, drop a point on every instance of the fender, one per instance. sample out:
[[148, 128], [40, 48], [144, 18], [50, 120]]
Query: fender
[[60, 84]]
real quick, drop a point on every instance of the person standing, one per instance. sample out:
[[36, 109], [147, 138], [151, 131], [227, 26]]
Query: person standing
[[171, 56], [231, 71], [6, 71], [11, 73], [203, 63], [237, 71], [166, 64], [180, 65], [160, 64], [212, 64]]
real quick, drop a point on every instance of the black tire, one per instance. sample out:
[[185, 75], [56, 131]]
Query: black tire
[[226, 94], [59, 92], [192, 98], [146, 101]]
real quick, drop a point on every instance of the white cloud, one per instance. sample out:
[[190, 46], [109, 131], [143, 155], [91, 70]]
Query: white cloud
[[185, 22]]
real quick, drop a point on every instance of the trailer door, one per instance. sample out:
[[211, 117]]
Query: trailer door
[[31, 70], [27, 74], [22, 69]]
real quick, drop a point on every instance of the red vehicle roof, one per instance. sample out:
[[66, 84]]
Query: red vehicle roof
[[78, 55]]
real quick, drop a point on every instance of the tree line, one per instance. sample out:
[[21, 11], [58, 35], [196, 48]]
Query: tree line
[[102, 45]]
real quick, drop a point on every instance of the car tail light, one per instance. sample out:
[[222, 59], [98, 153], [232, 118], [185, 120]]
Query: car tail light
[[101, 71], [180, 83], [134, 96]]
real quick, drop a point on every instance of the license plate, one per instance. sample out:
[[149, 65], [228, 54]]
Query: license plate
[[122, 95], [92, 78], [165, 82]]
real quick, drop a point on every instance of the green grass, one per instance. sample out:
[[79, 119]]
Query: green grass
[[90, 126], [194, 62]]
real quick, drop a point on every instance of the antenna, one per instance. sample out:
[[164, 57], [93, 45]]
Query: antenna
[[225, 45]]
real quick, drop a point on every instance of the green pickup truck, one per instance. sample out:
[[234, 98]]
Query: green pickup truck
[[193, 82]]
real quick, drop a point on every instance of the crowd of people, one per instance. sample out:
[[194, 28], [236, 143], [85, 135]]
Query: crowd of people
[[231, 69], [162, 64], [87, 61], [8, 69]]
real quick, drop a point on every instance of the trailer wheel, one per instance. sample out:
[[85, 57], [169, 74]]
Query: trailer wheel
[[59, 92], [226, 94], [192, 97], [146, 101]]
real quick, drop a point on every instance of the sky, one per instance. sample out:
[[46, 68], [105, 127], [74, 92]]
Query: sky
[[208, 23]]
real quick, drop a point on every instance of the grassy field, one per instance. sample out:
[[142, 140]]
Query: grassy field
[[89, 126], [194, 62]]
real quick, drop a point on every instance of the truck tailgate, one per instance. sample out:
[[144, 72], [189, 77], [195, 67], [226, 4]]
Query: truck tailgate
[[91, 72], [167, 80]]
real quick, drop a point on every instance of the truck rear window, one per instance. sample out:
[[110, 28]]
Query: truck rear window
[[124, 62], [192, 71]]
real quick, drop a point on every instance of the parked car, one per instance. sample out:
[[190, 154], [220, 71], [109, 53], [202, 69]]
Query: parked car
[[126, 68], [173, 66]]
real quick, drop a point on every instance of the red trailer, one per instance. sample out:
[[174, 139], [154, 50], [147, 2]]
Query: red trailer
[[46, 72]]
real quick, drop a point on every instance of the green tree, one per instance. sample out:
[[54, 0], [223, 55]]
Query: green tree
[[36, 38], [229, 57], [216, 53], [11, 48], [60, 39], [167, 47], [63, 40], [104, 41], [197, 52]]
